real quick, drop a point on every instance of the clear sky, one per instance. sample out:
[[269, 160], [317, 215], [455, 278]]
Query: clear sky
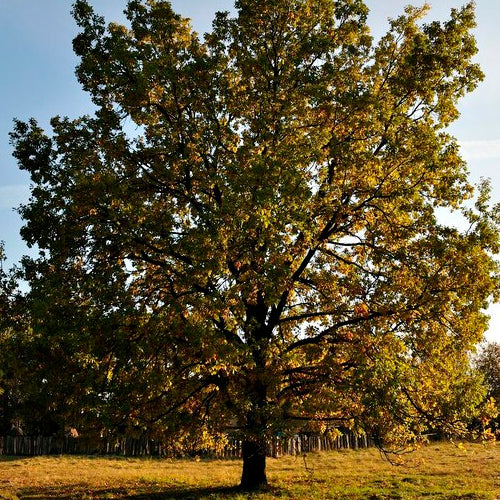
[[37, 80]]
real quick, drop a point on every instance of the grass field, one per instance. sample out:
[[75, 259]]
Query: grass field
[[437, 471]]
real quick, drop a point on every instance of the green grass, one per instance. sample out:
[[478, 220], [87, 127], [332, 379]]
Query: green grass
[[436, 472]]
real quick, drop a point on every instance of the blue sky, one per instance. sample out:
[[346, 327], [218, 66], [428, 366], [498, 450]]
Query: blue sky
[[38, 80]]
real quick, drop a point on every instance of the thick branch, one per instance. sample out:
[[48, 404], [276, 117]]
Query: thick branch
[[350, 322]]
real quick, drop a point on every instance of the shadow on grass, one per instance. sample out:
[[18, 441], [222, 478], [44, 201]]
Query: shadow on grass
[[12, 458], [138, 493]]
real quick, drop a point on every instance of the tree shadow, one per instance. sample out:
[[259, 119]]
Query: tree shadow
[[143, 492], [14, 458], [190, 493]]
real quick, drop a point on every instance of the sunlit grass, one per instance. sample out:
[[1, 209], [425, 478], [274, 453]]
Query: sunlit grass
[[437, 471]]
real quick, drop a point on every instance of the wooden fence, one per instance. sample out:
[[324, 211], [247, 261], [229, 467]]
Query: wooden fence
[[31, 446]]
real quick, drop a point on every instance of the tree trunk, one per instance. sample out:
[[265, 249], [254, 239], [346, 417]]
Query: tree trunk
[[254, 465], [256, 389]]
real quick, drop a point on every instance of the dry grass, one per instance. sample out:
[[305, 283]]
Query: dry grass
[[436, 472]]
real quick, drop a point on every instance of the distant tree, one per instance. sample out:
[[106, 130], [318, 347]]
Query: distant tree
[[2, 258], [488, 363], [245, 234], [9, 323]]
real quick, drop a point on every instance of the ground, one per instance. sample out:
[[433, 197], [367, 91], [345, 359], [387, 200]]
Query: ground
[[438, 471]]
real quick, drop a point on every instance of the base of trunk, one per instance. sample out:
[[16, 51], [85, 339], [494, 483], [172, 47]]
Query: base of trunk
[[254, 465]]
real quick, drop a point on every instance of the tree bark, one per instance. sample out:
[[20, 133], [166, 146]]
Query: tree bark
[[254, 464]]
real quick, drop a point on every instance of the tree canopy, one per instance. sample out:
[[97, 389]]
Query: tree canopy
[[245, 235]]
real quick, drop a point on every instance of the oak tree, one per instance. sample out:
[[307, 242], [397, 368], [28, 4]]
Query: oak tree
[[247, 234]]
